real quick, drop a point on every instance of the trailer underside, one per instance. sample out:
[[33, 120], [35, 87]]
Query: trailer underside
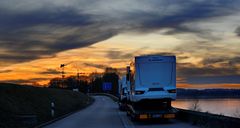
[[151, 109]]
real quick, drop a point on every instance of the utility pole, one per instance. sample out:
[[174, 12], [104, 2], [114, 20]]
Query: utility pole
[[63, 73], [78, 79], [62, 67]]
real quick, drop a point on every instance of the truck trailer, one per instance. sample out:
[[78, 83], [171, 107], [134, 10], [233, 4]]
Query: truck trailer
[[122, 90], [152, 81]]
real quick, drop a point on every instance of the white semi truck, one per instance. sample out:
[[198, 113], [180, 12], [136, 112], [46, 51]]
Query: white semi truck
[[152, 87], [122, 90]]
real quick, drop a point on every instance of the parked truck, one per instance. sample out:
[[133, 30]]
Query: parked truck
[[152, 87], [122, 90]]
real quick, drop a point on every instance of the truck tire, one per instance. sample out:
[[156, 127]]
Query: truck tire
[[120, 108], [133, 118], [128, 113], [169, 104]]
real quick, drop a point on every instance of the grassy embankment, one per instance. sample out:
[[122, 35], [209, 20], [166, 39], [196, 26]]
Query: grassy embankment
[[17, 101]]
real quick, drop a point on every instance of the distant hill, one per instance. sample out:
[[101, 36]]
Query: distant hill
[[16, 100], [208, 93]]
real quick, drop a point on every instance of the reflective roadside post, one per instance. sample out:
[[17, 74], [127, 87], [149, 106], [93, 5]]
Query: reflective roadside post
[[52, 109]]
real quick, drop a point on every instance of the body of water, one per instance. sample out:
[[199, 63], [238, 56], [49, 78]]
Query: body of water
[[227, 107]]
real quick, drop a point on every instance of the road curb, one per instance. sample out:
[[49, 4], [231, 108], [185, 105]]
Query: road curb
[[63, 116], [114, 98]]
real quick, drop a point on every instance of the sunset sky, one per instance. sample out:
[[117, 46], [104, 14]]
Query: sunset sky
[[36, 36]]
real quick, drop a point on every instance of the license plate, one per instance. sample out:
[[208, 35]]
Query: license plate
[[143, 116], [169, 116], [156, 116]]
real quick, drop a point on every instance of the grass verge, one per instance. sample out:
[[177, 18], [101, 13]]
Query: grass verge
[[26, 106]]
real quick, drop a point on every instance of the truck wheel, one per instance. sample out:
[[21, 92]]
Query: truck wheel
[[128, 113], [120, 108], [133, 118], [169, 104], [165, 120]]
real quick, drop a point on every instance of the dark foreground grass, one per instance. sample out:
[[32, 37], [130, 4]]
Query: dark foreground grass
[[17, 101]]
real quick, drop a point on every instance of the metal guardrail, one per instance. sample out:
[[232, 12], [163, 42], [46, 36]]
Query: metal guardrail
[[114, 98], [208, 120]]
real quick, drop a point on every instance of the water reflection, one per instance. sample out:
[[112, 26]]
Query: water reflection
[[228, 107]]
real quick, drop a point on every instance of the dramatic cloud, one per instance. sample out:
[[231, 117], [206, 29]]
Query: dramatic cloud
[[223, 61], [126, 55], [234, 61], [114, 54], [24, 81], [32, 29], [42, 34], [51, 72], [206, 71], [5, 71], [237, 31], [164, 54], [210, 61], [214, 80], [100, 66]]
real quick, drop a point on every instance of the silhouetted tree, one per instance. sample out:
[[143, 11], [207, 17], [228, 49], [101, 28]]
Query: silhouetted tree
[[55, 83], [70, 82], [96, 85], [111, 75]]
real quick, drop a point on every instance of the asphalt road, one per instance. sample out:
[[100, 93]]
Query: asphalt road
[[104, 113]]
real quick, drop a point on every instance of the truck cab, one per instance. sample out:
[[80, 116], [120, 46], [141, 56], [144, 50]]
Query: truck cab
[[122, 93], [153, 77], [152, 86]]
